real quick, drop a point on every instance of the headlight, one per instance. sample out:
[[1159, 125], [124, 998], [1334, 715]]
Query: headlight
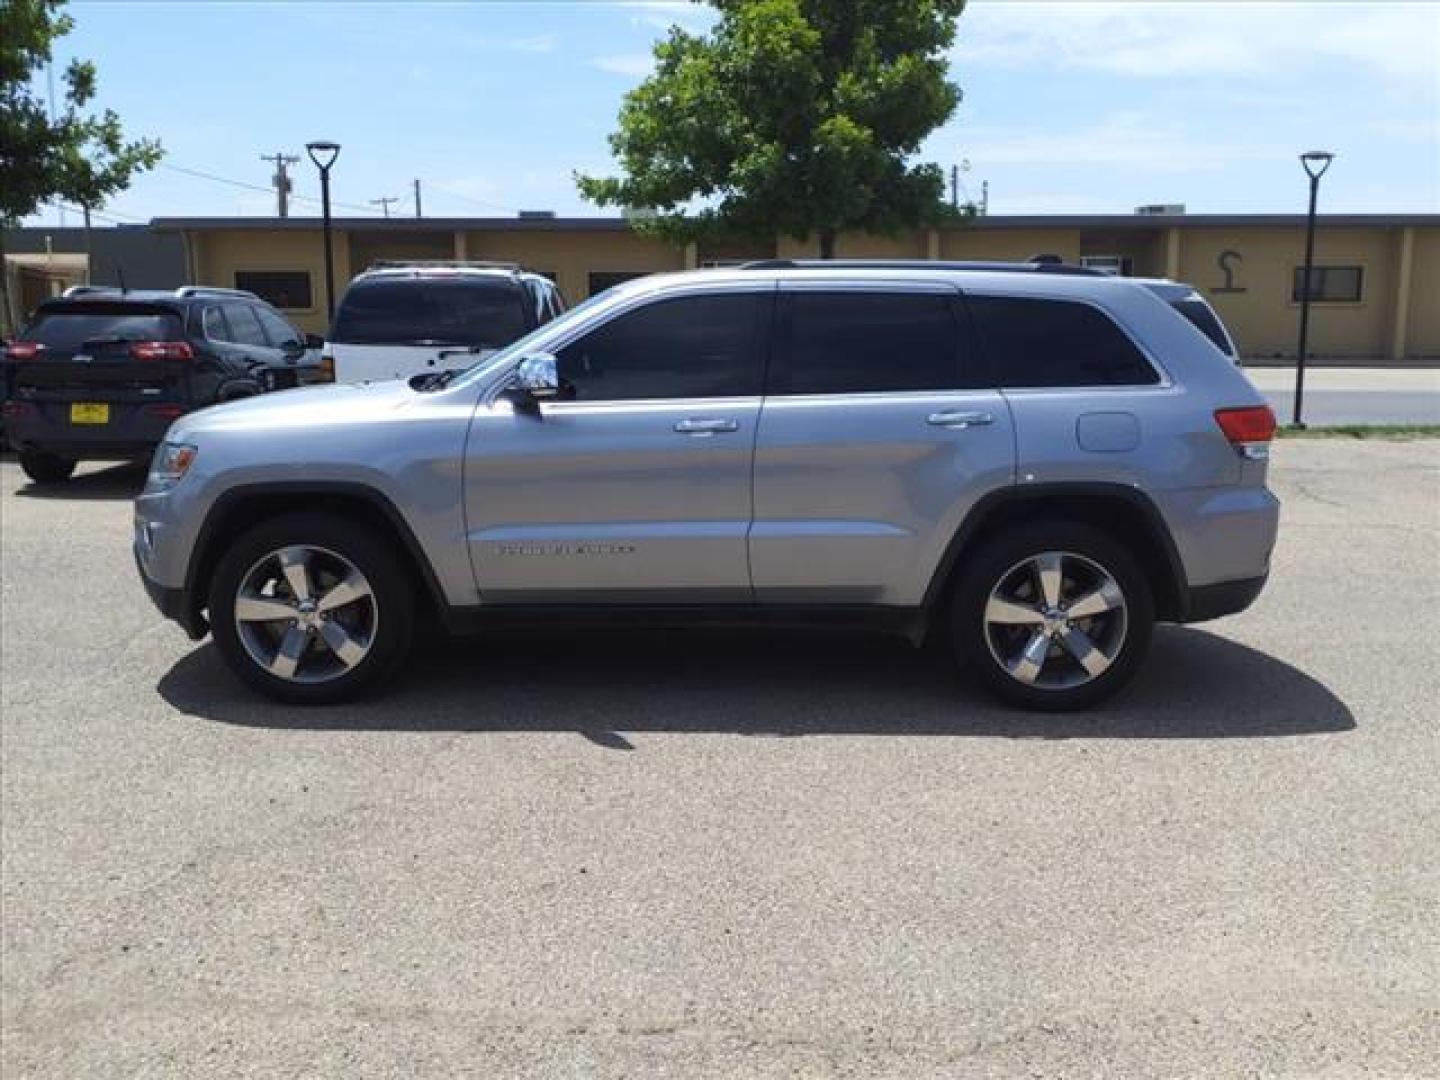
[[172, 461]]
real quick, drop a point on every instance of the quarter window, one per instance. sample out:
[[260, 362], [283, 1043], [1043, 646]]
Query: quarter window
[[1034, 342], [688, 347], [856, 342], [1328, 284], [214, 323]]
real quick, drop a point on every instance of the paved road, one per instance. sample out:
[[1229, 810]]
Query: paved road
[[1354, 395], [709, 857]]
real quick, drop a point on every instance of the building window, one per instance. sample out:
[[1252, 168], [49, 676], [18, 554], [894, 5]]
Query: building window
[[279, 288], [605, 279], [1119, 265], [1328, 284]]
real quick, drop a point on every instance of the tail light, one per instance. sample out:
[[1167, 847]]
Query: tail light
[[165, 412], [162, 350], [327, 369], [24, 350], [1249, 430], [16, 408]]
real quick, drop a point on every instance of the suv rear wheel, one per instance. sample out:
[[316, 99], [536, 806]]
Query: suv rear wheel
[[46, 468], [312, 608], [1053, 616]]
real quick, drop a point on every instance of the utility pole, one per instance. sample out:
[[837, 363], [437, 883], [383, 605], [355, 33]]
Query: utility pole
[[281, 179], [984, 197], [955, 187], [384, 203], [417, 197]]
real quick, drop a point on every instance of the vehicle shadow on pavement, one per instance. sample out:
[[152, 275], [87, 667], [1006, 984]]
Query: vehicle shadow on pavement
[[1195, 685], [120, 482]]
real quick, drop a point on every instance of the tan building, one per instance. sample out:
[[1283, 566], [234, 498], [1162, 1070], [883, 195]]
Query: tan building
[[1379, 280]]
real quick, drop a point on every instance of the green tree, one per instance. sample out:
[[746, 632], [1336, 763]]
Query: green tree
[[795, 117], [78, 158]]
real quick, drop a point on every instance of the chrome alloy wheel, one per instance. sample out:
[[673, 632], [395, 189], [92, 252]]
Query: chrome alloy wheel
[[1056, 620], [305, 614]]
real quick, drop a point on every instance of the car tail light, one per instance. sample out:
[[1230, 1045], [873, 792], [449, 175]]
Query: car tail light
[[17, 408], [327, 369], [1249, 430], [24, 350], [162, 350], [165, 412]]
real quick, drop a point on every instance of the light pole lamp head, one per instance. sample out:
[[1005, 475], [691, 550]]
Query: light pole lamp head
[[1316, 162], [323, 153]]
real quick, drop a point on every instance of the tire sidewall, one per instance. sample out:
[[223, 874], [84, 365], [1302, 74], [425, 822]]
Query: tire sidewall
[[371, 554], [996, 558], [43, 468]]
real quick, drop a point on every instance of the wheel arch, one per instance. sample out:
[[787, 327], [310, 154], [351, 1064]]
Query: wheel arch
[[243, 506], [1126, 514]]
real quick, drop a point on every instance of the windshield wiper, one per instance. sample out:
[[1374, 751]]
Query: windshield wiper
[[435, 380]]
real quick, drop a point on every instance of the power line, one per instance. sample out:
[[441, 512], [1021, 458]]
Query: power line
[[255, 187], [384, 203], [469, 199]]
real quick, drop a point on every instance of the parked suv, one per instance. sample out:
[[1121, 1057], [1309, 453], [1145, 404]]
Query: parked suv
[[402, 319], [1034, 464], [100, 373]]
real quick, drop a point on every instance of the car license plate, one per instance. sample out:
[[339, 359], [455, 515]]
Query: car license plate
[[89, 412]]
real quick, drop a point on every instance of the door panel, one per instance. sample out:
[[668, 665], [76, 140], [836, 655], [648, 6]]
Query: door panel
[[639, 489], [856, 497], [875, 440]]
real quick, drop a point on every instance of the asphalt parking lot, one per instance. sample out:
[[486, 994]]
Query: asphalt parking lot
[[698, 856]]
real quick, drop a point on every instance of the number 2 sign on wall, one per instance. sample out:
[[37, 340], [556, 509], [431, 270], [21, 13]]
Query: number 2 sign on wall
[[1225, 260]]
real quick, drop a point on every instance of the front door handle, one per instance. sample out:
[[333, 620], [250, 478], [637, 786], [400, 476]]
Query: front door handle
[[701, 426], [959, 419]]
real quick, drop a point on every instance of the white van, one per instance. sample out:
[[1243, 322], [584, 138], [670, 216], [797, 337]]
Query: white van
[[402, 319]]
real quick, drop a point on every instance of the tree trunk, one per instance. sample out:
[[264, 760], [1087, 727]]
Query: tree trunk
[[827, 243], [9, 324]]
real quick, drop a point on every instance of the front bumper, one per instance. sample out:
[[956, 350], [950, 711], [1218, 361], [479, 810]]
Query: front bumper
[[176, 605]]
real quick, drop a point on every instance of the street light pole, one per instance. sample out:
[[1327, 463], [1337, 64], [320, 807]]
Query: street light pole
[[323, 154], [1315, 163]]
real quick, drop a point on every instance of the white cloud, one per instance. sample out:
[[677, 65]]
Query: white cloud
[[663, 14], [634, 65], [539, 43], [1260, 41]]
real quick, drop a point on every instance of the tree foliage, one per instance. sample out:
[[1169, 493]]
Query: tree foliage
[[78, 157], [796, 117]]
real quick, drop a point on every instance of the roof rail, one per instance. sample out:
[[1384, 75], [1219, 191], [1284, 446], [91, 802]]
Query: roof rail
[[443, 264], [86, 290], [215, 290], [1038, 265]]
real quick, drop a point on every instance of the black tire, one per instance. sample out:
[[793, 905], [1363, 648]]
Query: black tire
[[979, 646], [46, 468], [391, 587]]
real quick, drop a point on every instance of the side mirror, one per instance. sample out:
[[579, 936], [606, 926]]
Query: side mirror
[[537, 376], [314, 341], [293, 349]]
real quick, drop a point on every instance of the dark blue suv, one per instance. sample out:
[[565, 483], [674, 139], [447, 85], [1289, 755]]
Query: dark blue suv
[[100, 374]]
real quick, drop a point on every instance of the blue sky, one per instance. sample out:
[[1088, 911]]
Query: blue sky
[[1069, 107]]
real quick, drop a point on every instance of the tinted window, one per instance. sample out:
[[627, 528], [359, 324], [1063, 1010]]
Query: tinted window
[[71, 328], [1203, 319], [489, 314], [282, 288], [689, 347], [1335, 284], [853, 342], [244, 326], [277, 329], [1033, 342]]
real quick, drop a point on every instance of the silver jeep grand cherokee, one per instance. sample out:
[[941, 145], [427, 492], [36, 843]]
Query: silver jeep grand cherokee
[[1033, 462]]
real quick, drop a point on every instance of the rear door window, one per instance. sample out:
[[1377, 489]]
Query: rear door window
[[66, 330], [1038, 342], [411, 312], [877, 342], [212, 320]]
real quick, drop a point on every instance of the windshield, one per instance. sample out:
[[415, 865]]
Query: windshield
[[487, 314], [69, 329]]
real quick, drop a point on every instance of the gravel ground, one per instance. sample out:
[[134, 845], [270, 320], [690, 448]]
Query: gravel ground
[[710, 856]]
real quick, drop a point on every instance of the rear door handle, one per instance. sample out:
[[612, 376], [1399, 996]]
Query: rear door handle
[[960, 419], [703, 426]]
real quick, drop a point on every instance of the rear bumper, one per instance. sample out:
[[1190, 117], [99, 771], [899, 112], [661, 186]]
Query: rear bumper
[[132, 435]]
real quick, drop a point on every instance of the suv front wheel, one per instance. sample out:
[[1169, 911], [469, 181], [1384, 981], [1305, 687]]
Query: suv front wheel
[[312, 608], [1052, 616]]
